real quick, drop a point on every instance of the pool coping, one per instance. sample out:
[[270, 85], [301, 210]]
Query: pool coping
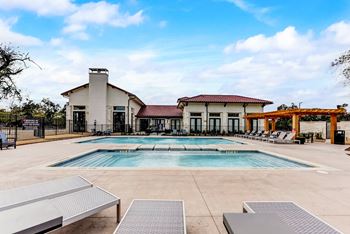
[[132, 136], [312, 166]]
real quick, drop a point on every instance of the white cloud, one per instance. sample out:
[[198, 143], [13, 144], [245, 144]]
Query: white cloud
[[260, 13], [286, 67], [339, 32], [287, 40], [99, 13], [41, 7], [9, 36]]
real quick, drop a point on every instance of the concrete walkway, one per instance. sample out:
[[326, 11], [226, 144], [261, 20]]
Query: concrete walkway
[[207, 193]]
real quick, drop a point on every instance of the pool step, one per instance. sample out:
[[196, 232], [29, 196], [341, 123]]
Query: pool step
[[177, 147]]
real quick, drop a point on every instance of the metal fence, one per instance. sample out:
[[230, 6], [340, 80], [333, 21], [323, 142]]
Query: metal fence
[[26, 127]]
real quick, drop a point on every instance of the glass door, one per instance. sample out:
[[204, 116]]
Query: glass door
[[79, 121], [118, 121]]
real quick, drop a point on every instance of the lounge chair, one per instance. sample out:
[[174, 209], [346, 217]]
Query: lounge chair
[[258, 133], [252, 133], [263, 135], [49, 205], [45, 190], [255, 223], [153, 216], [297, 218], [273, 135], [5, 143], [289, 139], [280, 137], [242, 134]]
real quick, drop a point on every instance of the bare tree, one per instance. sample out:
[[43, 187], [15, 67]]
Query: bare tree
[[343, 63], [12, 63]]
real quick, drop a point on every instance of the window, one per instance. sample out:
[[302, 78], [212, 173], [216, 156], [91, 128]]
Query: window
[[195, 114], [214, 114], [79, 107], [214, 124], [233, 115], [119, 108], [175, 124], [196, 125]]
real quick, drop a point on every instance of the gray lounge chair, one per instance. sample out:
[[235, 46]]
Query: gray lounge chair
[[5, 143], [289, 139], [66, 200], [273, 135], [255, 223], [280, 137], [49, 189], [153, 216], [298, 219]]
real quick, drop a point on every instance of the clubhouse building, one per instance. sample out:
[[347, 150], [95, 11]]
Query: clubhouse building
[[100, 105]]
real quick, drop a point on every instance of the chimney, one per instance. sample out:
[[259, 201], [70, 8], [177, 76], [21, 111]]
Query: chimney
[[98, 80]]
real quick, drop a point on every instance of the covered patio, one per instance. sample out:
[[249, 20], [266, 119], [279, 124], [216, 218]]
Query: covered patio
[[295, 114]]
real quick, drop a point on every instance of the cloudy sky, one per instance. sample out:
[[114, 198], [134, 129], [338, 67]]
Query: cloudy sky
[[162, 50]]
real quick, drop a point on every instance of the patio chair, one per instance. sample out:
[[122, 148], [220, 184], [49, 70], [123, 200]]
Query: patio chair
[[289, 139], [5, 143], [153, 216], [295, 217], [45, 190], [263, 135], [251, 223], [49, 205], [252, 133], [273, 135], [280, 137], [61, 211]]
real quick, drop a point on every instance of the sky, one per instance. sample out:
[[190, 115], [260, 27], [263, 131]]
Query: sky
[[163, 50]]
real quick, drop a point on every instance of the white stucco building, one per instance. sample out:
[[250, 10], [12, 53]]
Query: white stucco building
[[100, 105]]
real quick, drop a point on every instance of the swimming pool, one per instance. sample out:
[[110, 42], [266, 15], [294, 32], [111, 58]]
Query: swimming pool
[[174, 159], [162, 140]]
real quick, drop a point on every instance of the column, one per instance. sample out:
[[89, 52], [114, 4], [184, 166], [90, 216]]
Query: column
[[266, 124], [333, 127], [273, 125], [248, 124], [295, 124]]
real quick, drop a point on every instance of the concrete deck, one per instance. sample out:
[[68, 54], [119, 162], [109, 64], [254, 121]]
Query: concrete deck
[[207, 193]]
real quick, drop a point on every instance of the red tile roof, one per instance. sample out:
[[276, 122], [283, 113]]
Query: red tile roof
[[157, 111], [223, 99]]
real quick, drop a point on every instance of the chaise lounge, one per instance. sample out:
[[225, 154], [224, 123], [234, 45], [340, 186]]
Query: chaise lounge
[[275, 217], [153, 216], [49, 205]]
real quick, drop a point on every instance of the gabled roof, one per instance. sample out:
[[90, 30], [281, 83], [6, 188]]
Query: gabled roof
[[66, 93], [205, 98], [159, 111]]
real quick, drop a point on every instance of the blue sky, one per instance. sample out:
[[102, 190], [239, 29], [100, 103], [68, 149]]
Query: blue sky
[[162, 50]]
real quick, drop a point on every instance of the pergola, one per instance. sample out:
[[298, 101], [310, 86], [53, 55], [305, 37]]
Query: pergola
[[295, 114]]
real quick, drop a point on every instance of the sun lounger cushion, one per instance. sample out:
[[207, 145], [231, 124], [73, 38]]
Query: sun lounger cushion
[[153, 216]]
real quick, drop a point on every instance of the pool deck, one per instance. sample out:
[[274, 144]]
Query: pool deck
[[207, 193]]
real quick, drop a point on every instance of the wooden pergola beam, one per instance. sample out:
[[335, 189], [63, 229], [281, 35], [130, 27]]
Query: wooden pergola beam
[[291, 112]]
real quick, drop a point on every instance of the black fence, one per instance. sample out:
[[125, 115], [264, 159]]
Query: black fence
[[27, 127]]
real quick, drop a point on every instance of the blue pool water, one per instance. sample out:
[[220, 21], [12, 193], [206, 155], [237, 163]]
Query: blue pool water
[[161, 140], [158, 159]]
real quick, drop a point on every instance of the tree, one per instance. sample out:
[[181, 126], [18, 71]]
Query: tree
[[343, 63], [12, 63]]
